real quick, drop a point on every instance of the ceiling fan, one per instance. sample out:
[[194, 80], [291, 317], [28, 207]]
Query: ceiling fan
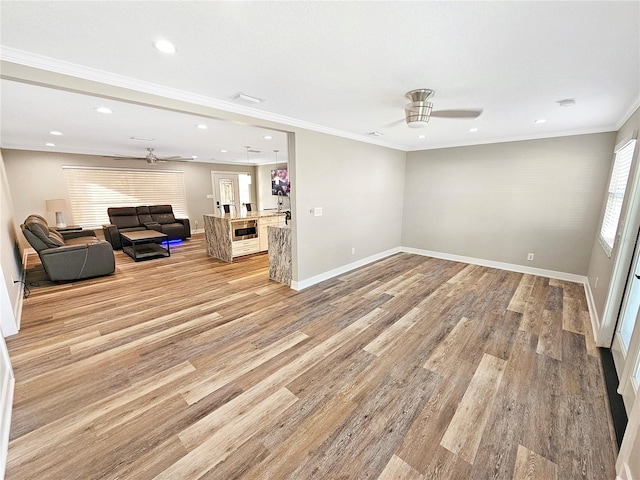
[[419, 110], [153, 159], [249, 150]]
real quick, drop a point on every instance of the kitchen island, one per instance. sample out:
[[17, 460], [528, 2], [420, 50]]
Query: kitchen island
[[232, 235], [280, 253]]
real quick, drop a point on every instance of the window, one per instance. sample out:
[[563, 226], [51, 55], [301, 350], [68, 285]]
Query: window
[[615, 195], [244, 182], [93, 190]]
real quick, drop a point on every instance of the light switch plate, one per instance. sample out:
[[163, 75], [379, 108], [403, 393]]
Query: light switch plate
[[317, 212]]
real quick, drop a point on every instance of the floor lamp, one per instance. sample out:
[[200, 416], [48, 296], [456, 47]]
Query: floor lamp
[[58, 205]]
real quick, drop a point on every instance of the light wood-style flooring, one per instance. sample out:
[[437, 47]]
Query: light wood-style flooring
[[409, 368]]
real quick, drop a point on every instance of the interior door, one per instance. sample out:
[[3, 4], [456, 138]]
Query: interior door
[[626, 341], [226, 191]]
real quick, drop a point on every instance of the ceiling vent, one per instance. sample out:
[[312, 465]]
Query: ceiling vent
[[248, 99]]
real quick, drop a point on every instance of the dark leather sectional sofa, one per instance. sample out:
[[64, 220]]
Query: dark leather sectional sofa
[[153, 217]]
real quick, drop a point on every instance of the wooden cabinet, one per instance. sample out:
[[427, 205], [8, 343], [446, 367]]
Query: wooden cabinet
[[263, 234], [245, 247]]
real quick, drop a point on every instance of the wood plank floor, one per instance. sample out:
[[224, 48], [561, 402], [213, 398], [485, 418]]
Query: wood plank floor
[[409, 368]]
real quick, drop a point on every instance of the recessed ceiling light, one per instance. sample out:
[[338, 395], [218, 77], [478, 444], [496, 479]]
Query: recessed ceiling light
[[49, 144], [223, 151], [267, 137], [246, 98], [473, 130], [103, 110], [541, 120], [422, 136], [55, 132], [375, 134], [165, 46], [201, 126], [194, 157], [144, 139]]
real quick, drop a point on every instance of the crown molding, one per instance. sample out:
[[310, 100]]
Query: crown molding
[[634, 106], [506, 139], [41, 62]]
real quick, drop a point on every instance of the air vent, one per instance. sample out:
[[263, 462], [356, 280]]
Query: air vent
[[248, 99]]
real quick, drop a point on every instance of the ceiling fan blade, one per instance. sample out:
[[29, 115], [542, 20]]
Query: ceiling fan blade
[[394, 124], [176, 159], [456, 113], [123, 157]]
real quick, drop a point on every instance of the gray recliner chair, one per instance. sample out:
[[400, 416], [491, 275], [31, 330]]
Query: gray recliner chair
[[68, 255]]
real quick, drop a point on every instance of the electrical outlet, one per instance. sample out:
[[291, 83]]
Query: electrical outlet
[[530, 257], [353, 250]]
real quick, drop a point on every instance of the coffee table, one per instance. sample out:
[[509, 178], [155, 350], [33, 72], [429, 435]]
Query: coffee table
[[145, 244]]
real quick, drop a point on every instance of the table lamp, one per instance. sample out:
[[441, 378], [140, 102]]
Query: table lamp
[[58, 205]]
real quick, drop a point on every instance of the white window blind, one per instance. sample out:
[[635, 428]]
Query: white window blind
[[615, 195], [93, 190]]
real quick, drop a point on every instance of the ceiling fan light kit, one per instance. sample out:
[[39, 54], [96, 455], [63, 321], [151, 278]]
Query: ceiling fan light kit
[[418, 111], [151, 157]]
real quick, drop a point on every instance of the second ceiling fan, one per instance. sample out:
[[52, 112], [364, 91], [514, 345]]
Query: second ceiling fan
[[153, 159]]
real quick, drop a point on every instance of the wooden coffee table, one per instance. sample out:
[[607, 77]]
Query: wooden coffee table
[[145, 244]]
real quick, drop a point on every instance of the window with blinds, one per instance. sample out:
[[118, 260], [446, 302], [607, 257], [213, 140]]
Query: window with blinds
[[93, 190], [615, 195]]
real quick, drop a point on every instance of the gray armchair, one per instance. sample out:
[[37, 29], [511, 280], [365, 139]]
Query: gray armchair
[[68, 255]]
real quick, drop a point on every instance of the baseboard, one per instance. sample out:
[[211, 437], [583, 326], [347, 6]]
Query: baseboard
[[593, 313], [17, 311], [512, 267], [341, 270]]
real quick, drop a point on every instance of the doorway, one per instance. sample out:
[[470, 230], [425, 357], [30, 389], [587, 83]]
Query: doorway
[[626, 340], [231, 191]]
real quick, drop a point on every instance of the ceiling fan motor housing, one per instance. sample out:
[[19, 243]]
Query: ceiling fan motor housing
[[417, 112], [151, 157]]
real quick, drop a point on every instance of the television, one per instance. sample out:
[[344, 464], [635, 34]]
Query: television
[[280, 182]]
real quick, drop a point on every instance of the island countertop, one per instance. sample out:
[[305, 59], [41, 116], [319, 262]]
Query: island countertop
[[246, 215], [218, 230]]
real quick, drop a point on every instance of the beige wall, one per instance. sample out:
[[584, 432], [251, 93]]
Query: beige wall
[[501, 201], [37, 176], [10, 260], [600, 271], [360, 189]]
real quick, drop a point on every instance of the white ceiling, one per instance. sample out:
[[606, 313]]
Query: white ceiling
[[338, 67]]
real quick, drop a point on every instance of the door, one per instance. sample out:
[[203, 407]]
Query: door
[[226, 191], [626, 340]]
